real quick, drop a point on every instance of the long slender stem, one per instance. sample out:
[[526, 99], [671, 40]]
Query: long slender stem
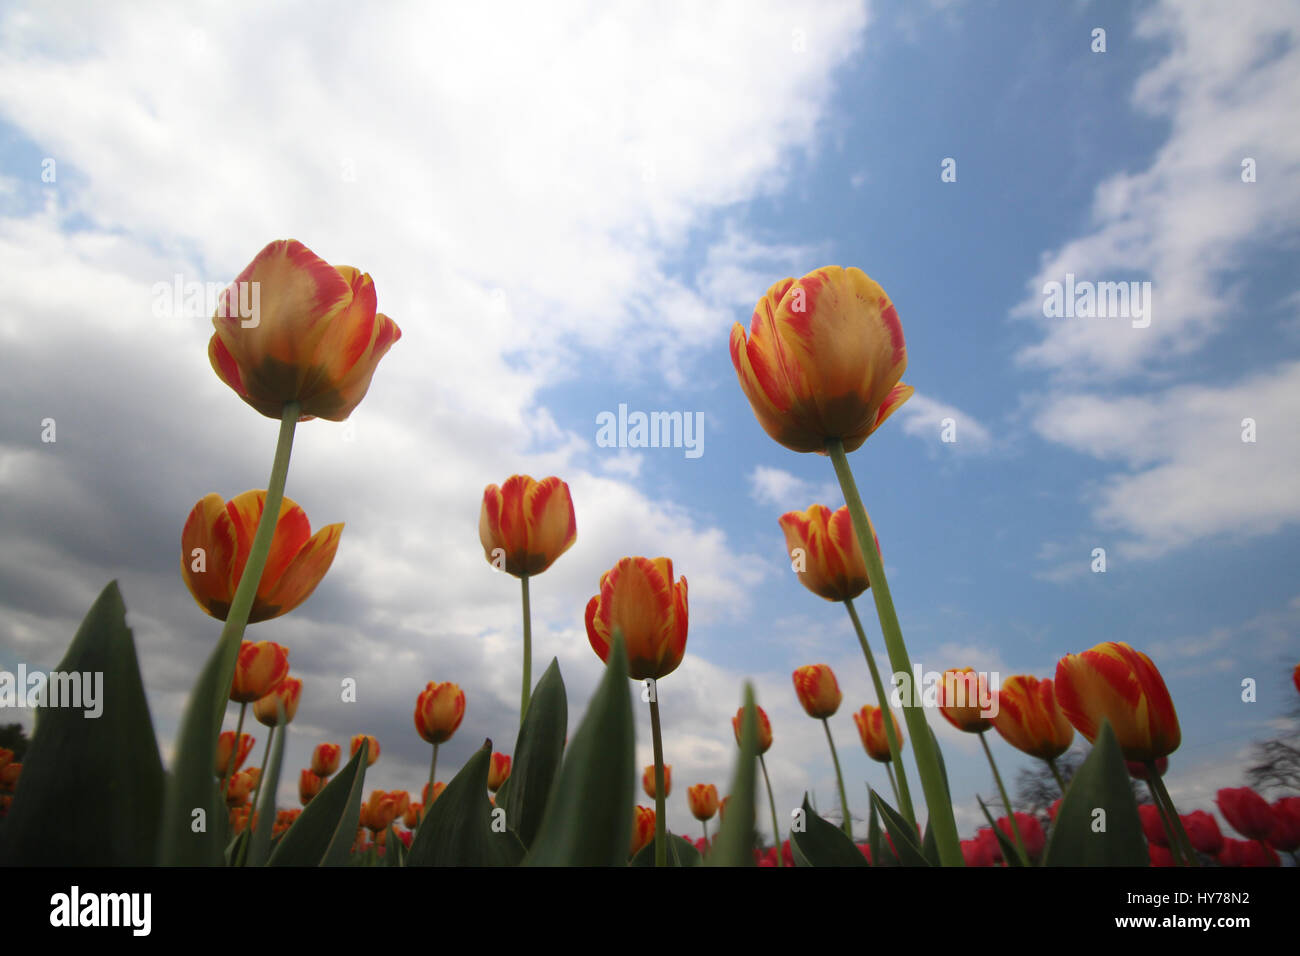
[[661, 824], [1178, 831], [234, 751], [942, 822], [528, 651], [771, 802], [897, 798], [847, 825], [266, 755], [1060, 782], [902, 794], [1011, 814], [433, 769], [1175, 848], [706, 832]]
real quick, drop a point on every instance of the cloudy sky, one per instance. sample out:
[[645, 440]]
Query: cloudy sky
[[566, 211]]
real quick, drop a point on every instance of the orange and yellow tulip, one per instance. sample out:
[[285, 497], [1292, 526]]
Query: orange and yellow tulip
[[498, 771], [1114, 682], [437, 792], [764, 728], [1029, 719], [960, 694], [831, 564], [224, 744], [438, 711], [325, 759], [871, 728], [823, 360], [259, 668], [9, 775], [6, 755], [648, 781], [372, 754], [216, 541], [524, 525], [413, 815], [639, 597], [818, 691], [379, 811], [703, 800], [314, 336], [240, 786], [287, 693], [643, 830]]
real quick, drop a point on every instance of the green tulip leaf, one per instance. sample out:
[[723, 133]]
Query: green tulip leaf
[[462, 828], [907, 843], [820, 843], [735, 843], [539, 748], [324, 832]]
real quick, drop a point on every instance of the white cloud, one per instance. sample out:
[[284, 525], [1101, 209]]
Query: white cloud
[[924, 416], [789, 492]]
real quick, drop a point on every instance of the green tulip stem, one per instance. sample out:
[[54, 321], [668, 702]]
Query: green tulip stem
[[839, 778], [902, 794], [923, 745], [234, 751], [1175, 848], [528, 651], [1060, 782], [889, 770], [1011, 814], [706, 832], [1176, 829], [661, 823], [771, 802], [266, 756], [433, 769]]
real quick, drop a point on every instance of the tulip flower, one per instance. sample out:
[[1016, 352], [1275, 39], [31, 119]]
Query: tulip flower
[[1138, 770], [643, 830], [648, 780], [824, 550], [437, 789], [1252, 853], [1203, 830], [1160, 856], [524, 525], [438, 712], [823, 359], [703, 800], [215, 546], [977, 852], [372, 754], [639, 597], [401, 800], [1031, 832], [226, 743], [1029, 719], [258, 670], [498, 771], [413, 815], [1153, 824], [378, 812], [1247, 812], [819, 694], [9, 775], [1114, 682], [764, 729], [241, 786], [992, 846], [6, 757], [1286, 830], [314, 337], [287, 693], [871, 729], [325, 759]]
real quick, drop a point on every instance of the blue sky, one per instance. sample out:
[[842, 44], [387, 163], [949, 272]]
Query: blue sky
[[564, 216]]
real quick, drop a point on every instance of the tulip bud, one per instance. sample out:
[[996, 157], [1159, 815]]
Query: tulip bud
[[438, 711], [1116, 683], [1247, 812], [1203, 830], [325, 759], [871, 729], [372, 754], [818, 691], [963, 695], [976, 852], [832, 564], [639, 597], [498, 772], [286, 693], [225, 742], [643, 830], [378, 812], [414, 814], [764, 728], [1286, 828], [525, 525], [648, 781], [240, 786], [1029, 719], [259, 668], [309, 784], [703, 800], [1251, 853]]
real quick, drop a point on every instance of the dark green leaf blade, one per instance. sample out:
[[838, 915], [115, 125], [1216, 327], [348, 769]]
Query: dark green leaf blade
[[461, 829], [539, 749], [1102, 783], [324, 832], [735, 843], [823, 844], [907, 843], [260, 848]]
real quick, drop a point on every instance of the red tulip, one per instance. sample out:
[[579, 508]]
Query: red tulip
[[963, 695], [309, 784], [639, 597], [1152, 825], [1031, 832], [1286, 830], [833, 566], [498, 771], [1203, 830], [871, 729], [438, 711], [259, 668], [764, 728], [818, 691], [1247, 812], [1114, 682], [325, 759], [1160, 855], [643, 830], [225, 742], [286, 693], [1138, 771], [1029, 719], [977, 852], [1252, 853], [525, 525]]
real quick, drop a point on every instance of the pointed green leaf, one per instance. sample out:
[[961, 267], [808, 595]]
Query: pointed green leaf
[[393, 848], [682, 852], [260, 847], [460, 828], [907, 843], [735, 843], [1008, 847], [875, 841], [822, 843], [324, 832], [535, 763], [1102, 783]]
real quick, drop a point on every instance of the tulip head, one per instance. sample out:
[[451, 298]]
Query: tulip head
[[413, 815], [1114, 682], [402, 800], [438, 711], [524, 525], [977, 852], [6, 757], [703, 800], [216, 541], [225, 742], [1029, 719], [643, 830], [1247, 812], [1252, 853], [1138, 771], [639, 597], [764, 728], [240, 786], [963, 694], [825, 552], [313, 335], [1203, 830], [871, 728], [259, 668], [648, 781], [378, 812], [372, 754], [1152, 825], [498, 771], [1286, 828], [325, 759], [818, 691], [437, 792], [9, 776], [309, 784], [286, 693], [823, 359]]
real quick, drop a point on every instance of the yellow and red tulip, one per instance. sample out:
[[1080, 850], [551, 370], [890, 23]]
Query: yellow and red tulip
[[438, 711], [378, 812], [643, 830], [287, 693], [498, 771], [1114, 682], [6, 756], [818, 691], [325, 759], [703, 800], [833, 566], [9, 775], [823, 359], [372, 754], [224, 744], [437, 792], [315, 339], [402, 800], [1029, 718], [240, 786], [527, 524], [258, 669], [648, 781], [639, 597], [218, 536], [764, 728], [960, 694], [871, 728], [413, 815]]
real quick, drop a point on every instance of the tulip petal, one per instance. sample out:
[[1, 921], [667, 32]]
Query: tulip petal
[[303, 574]]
